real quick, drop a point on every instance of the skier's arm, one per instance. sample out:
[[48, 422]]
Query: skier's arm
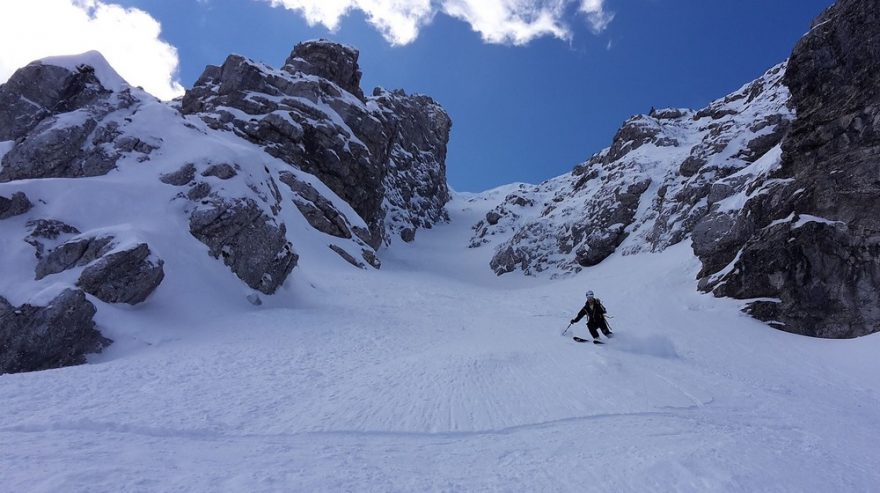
[[580, 315], [602, 309]]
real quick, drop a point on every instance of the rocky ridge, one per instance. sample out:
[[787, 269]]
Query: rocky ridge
[[775, 185], [384, 155], [662, 175], [97, 177]]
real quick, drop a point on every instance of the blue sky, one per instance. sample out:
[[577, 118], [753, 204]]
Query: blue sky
[[520, 113]]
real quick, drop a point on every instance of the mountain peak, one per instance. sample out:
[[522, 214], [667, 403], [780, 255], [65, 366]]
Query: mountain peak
[[92, 61], [335, 62]]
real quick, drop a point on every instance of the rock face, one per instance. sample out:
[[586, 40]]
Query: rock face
[[776, 185], [811, 244], [74, 253], [332, 61], [313, 115], [57, 117], [663, 174], [39, 338], [14, 206], [249, 242], [128, 276], [250, 161]]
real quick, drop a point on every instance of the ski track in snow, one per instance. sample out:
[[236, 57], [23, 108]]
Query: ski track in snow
[[434, 375]]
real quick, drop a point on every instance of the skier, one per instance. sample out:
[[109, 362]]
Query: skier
[[595, 313]]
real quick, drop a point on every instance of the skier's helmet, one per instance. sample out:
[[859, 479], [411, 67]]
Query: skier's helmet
[[590, 295]]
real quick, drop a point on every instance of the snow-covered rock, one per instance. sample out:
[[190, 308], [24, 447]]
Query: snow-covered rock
[[59, 334], [663, 173], [128, 198], [384, 155], [775, 187], [812, 252], [15, 205]]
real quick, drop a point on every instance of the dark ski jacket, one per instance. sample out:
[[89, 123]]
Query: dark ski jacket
[[595, 314]]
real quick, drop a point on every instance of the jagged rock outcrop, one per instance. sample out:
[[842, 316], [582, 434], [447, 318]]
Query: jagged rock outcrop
[[15, 205], [389, 148], [332, 61], [663, 174], [252, 244], [809, 245], [39, 338], [46, 231], [415, 180], [57, 117], [776, 185], [318, 211], [74, 253], [127, 276]]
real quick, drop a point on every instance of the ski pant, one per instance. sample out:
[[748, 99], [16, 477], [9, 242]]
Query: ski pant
[[596, 326]]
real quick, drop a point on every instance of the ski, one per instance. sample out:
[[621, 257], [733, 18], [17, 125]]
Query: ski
[[578, 339]]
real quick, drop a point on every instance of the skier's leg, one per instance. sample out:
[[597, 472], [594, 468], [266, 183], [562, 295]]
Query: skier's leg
[[593, 331], [604, 326]]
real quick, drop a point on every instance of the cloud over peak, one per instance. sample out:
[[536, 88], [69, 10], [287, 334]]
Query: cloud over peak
[[128, 38], [497, 21]]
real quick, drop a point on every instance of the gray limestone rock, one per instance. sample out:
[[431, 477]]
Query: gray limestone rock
[[385, 158], [347, 256], [14, 206], [223, 171], [181, 177], [71, 254], [57, 118], [815, 237], [249, 242], [45, 231], [60, 334], [332, 61], [318, 211], [127, 276], [492, 217], [370, 257]]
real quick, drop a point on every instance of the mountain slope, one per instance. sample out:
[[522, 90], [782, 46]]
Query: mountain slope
[[425, 377], [110, 193]]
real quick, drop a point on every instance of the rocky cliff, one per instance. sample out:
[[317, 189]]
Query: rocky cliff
[[775, 185], [109, 196], [813, 252], [384, 155]]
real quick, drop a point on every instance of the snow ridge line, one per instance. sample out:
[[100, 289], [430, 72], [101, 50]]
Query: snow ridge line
[[210, 434]]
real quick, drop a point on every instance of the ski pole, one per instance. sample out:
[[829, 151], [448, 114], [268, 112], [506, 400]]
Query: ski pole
[[566, 329]]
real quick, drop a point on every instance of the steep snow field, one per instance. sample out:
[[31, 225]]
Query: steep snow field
[[434, 375]]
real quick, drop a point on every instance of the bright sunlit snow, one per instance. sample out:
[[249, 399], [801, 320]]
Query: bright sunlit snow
[[434, 375]]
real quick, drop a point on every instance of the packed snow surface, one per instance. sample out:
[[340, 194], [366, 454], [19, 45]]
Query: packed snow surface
[[434, 375]]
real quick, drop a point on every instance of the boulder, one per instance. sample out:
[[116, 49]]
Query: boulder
[[181, 177], [223, 171], [249, 241], [14, 206], [43, 337], [128, 276], [71, 254], [346, 256]]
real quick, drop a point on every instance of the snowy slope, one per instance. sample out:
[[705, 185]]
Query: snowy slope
[[435, 375]]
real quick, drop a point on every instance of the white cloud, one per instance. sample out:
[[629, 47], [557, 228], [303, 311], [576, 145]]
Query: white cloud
[[597, 16], [511, 21], [399, 21], [128, 38], [497, 21]]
